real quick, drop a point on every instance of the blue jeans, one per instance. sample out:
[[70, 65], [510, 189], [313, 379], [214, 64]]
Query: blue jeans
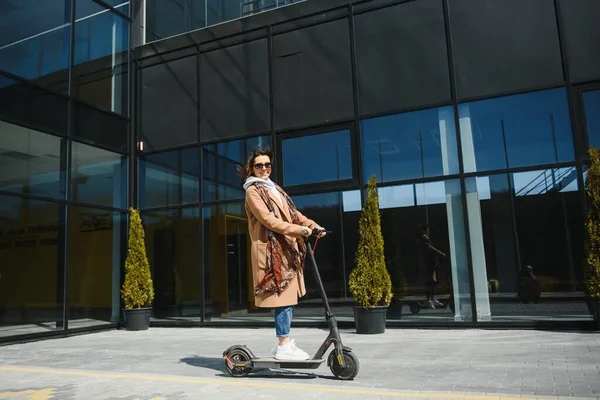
[[283, 320]]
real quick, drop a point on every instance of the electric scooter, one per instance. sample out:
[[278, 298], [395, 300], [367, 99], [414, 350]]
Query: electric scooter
[[342, 362]]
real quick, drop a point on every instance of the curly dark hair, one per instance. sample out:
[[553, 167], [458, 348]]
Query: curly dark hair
[[245, 171]]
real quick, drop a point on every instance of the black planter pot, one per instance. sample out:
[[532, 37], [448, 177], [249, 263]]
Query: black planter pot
[[370, 320], [137, 319], [595, 306]]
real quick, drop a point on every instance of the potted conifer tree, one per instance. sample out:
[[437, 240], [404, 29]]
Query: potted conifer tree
[[137, 291], [370, 282], [592, 225]]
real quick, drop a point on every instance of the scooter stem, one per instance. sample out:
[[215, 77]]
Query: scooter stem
[[311, 256]]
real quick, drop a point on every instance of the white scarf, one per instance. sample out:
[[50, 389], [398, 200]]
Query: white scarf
[[269, 184]]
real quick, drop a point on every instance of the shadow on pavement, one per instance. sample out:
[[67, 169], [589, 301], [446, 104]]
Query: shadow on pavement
[[218, 364]]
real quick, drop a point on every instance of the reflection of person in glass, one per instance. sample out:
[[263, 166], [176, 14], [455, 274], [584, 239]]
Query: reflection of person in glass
[[276, 229], [429, 262]]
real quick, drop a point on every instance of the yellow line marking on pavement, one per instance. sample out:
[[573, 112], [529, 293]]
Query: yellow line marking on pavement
[[262, 385], [42, 394]]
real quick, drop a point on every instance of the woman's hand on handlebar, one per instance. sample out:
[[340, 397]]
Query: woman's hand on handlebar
[[319, 231]]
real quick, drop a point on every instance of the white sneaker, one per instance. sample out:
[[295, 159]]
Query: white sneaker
[[437, 303], [290, 351], [274, 349]]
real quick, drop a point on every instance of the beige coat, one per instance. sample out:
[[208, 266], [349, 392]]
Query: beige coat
[[260, 219]]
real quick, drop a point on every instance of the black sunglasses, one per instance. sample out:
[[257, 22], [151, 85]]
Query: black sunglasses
[[260, 165]]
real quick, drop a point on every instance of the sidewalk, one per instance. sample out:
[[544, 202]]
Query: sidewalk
[[180, 363]]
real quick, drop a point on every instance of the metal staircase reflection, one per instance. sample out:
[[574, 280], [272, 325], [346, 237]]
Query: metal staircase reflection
[[550, 180]]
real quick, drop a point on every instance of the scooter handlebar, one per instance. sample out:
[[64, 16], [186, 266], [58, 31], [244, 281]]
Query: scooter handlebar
[[316, 232]]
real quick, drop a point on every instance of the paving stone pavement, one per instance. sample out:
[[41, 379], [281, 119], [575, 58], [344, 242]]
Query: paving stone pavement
[[187, 363]]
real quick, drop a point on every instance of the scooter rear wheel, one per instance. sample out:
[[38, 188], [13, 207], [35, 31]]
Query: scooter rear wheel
[[349, 371], [238, 356]]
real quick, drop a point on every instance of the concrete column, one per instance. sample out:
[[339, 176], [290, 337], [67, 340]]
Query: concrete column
[[482, 299]]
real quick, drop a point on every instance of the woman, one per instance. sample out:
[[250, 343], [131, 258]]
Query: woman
[[277, 230], [429, 264]]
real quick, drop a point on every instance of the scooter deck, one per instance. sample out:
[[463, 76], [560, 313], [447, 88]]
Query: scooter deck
[[271, 362]]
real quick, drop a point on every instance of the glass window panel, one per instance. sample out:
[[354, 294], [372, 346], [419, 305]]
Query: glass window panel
[[516, 131], [330, 158], [173, 250], [32, 162], [100, 127], [581, 34], [504, 45], [402, 57], [172, 17], [235, 81], [227, 266], [220, 179], [174, 122], [97, 251], [405, 212], [521, 220], [100, 73], [98, 176], [34, 40], [28, 105], [312, 83], [169, 178], [351, 201], [411, 145], [29, 247], [591, 103], [222, 10]]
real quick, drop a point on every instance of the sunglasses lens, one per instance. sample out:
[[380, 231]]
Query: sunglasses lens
[[261, 165]]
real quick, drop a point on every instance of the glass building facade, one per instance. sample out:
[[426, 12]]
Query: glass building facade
[[474, 116]]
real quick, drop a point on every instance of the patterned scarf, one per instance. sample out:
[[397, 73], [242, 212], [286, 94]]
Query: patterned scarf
[[283, 258]]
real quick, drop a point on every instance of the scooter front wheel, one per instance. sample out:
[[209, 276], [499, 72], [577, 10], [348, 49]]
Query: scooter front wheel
[[351, 365], [237, 356]]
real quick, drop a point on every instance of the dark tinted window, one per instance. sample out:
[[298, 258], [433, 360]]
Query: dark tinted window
[[219, 167], [169, 178], [32, 162], [173, 249], [171, 17], [30, 237], [313, 76], [591, 102], [582, 36], [97, 240], [100, 127], [100, 72], [418, 144], [31, 106], [235, 91], [34, 40], [516, 131], [504, 45], [98, 176], [318, 158], [402, 57], [169, 102]]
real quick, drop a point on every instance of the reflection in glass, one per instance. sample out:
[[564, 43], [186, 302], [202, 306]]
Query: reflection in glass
[[330, 158], [167, 18], [98, 176], [100, 72], [516, 131], [227, 266], [29, 270], [30, 162], [409, 215], [591, 102], [417, 144], [220, 161], [326, 209], [527, 244], [96, 254], [169, 178], [34, 40], [172, 246]]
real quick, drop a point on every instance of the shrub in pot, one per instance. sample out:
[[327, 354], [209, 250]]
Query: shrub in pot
[[592, 230], [137, 291], [370, 283]]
